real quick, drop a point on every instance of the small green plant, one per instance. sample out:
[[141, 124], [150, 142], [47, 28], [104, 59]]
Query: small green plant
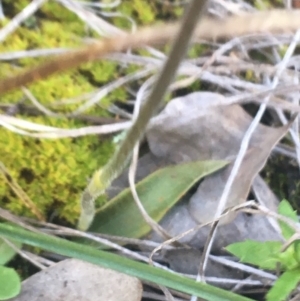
[[10, 282], [272, 255]]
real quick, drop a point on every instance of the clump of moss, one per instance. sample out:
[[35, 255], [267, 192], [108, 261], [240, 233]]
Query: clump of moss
[[53, 172]]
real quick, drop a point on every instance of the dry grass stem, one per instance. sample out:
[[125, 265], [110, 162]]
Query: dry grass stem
[[272, 21]]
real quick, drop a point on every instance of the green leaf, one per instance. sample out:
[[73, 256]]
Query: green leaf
[[119, 263], [262, 254], [158, 192], [6, 252], [10, 283], [288, 258], [286, 209], [297, 250], [284, 285]]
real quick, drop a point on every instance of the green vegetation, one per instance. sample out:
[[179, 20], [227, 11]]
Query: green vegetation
[[10, 283], [54, 172], [113, 217], [270, 255], [119, 263]]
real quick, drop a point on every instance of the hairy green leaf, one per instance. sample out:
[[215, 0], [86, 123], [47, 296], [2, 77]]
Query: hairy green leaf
[[262, 254], [158, 192]]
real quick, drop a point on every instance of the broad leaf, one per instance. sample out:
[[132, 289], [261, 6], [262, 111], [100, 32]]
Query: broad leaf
[[7, 252], [158, 193], [261, 254], [172, 134], [286, 209], [10, 283], [119, 263], [284, 285]]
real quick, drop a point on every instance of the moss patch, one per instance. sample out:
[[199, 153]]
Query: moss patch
[[53, 172]]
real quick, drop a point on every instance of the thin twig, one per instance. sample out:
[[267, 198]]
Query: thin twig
[[24, 255], [244, 147], [22, 195]]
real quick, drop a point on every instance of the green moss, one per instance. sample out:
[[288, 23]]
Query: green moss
[[141, 11], [56, 12], [144, 10], [53, 172], [100, 72]]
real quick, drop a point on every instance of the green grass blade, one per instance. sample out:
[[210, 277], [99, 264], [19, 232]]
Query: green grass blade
[[158, 192], [118, 263]]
